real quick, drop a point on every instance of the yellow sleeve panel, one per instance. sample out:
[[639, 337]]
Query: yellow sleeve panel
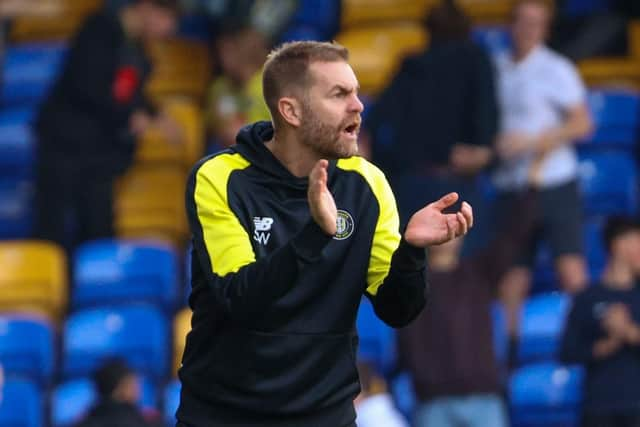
[[387, 234], [226, 241]]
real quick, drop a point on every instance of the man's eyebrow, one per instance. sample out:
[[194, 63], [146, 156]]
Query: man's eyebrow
[[342, 88]]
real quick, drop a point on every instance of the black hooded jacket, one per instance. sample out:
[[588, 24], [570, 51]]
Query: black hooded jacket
[[274, 298]]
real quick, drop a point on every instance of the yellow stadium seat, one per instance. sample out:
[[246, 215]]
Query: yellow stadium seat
[[376, 52], [487, 11], [154, 148], [375, 11], [33, 278], [180, 67], [634, 38], [611, 71], [181, 327], [149, 203], [60, 22]]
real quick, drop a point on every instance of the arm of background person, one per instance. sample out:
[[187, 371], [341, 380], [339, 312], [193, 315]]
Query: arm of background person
[[241, 284]]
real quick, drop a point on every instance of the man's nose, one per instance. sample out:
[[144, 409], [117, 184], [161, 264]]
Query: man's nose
[[356, 105]]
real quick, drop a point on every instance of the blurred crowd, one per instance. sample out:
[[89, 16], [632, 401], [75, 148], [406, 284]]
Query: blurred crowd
[[500, 129]]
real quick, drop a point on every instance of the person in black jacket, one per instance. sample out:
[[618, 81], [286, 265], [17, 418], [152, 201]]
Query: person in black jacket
[[441, 107], [603, 333], [290, 228], [87, 126], [118, 392]]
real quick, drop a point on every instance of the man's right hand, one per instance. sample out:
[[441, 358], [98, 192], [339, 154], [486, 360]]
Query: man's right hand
[[321, 203]]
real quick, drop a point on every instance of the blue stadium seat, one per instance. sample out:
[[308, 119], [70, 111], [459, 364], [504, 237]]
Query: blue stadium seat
[[403, 394], [493, 39], [300, 33], [139, 334], [608, 180], [27, 347], [541, 325], [112, 271], [16, 208], [545, 394], [28, 72], [21, 404], [321, 15], [377, 340], [171, 402], [595, 251], [585, 7], [17, 144], [616, 115], [72, 400]]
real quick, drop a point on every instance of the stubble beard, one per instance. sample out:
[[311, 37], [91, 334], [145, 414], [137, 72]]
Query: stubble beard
[[323, 138]]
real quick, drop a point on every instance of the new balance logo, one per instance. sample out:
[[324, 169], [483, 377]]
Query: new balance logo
[[262, 226]]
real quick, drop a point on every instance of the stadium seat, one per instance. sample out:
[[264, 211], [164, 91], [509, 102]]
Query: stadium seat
[[180, 67], [181, 327], [359, 12], [494, 39], [376, 52], [319, 16], [149, 203], [139, 334], [404, 394], [300, 33], [17, 144], [28, 71], [487, 12], [21, 404], [584, 7], [33, 278], [377, 340], [154, 148], [634, 38], [16, 208], [544, 274], [72, 400], [541, 325], [27, 347], [616, 114], [608, 180], [52, 20], [171, 402], [545, 395], [623, 72], [112, 272]]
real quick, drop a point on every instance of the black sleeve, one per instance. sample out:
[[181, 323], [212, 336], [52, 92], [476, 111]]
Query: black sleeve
[[577, 346], [402, 294]]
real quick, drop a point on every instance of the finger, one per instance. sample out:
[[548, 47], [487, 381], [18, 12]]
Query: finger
[[445, 201], [467, 211], [452, 226], [462, 225]]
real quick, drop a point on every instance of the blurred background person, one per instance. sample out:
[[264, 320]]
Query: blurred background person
[[432, 128], [543, 113], [603, 333], [449, 349], [235, 98], [88, 125], [374, 405], [118, 390]]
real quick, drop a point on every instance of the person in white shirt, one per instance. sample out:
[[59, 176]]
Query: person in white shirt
[[543, 113]]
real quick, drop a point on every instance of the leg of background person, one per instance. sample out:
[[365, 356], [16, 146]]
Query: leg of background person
[[484, 410], [94, 204], [512, 292], [435, 413], [52, 202]]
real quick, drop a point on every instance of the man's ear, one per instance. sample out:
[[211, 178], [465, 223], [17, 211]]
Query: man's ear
[[291, 111]]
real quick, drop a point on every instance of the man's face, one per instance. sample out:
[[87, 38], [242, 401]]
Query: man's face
[[529, 26], [331, 110], [630, 249], [158, 22]]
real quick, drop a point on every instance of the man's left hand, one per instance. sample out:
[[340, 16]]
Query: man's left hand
[[431, 226]]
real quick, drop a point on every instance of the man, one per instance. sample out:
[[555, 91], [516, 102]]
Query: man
[[290, 228], [603, 333], [543, 112], [449, 349], [446, 94], [88, 125], [118, 391]]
